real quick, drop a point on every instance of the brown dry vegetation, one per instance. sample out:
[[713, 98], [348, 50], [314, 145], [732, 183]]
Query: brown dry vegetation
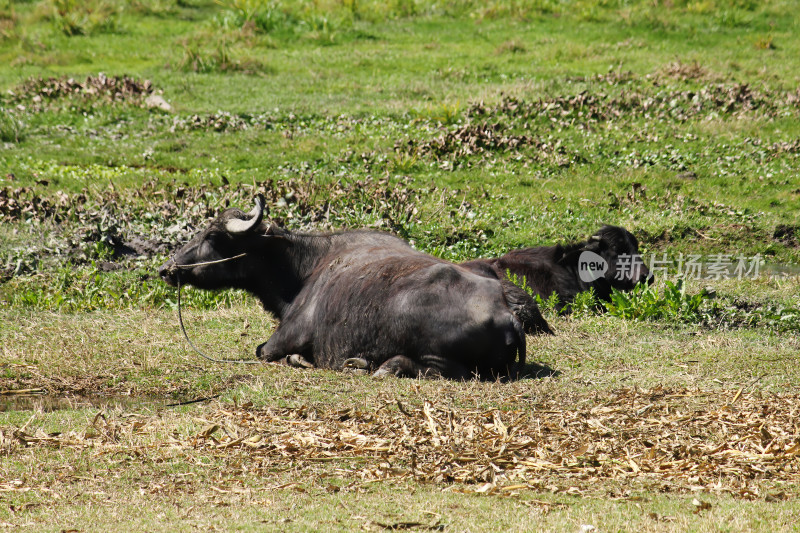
[[542, 448], [670, 440]]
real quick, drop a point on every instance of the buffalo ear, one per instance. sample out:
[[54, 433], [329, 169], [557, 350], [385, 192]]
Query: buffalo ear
[[254, 217], [594, 244], [276, 234]]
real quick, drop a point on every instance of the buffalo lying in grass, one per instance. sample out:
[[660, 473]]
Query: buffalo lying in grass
[[608, 260], [360, 298]]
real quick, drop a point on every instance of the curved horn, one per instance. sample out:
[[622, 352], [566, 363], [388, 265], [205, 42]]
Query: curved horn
[[237, 225], [595, 238]]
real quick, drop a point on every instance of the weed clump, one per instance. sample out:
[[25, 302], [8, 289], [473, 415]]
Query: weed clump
[[12, 128], [127, 225], [265, 16], [466, 141], [288, 20], [594, 107], [648, 303], [8, 20], [220, 121], [78, 17], [220, 57], [41, 93], [678, 70], [74, 288]]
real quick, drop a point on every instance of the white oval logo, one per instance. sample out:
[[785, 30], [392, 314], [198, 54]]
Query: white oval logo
[[591, 266]]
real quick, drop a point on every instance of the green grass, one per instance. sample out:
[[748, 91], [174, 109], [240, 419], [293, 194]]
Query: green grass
[[469, 128]]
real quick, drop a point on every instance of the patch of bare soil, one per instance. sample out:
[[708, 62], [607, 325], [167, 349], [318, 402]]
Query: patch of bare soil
[[787, 234], [730, 442]]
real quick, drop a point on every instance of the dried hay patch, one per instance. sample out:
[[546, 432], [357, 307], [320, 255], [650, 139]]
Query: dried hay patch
[[664, 439]]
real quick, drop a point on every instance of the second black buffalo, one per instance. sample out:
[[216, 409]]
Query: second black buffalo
[[607, 260]]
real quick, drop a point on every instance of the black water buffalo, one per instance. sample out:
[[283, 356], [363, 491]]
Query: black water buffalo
[[608, 259], [357, 299]]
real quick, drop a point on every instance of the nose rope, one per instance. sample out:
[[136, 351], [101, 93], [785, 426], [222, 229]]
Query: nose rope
[[175, 266], [196, 349]]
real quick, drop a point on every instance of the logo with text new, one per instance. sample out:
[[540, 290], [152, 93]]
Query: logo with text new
[[591, 267]]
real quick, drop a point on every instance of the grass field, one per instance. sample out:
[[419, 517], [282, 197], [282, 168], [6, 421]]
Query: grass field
[[469, 128]]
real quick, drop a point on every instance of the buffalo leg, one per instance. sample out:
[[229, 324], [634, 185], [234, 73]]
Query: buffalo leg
[[264, 353], [282, 350], [295, 360], [525, 309], [431, 366], [356, 365], [400, 366], [298, 361]]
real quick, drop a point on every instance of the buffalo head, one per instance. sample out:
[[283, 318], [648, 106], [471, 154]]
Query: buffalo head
[[215, 258], [610, 259]]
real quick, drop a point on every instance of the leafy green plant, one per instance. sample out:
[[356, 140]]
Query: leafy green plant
[[402, 163], [321, 28], [197, 60], [68, 18], [158, 8], [732, 314], [445, 113], [550, 307], [648, 303], [764, 43], [519, 281], [583, 304], [779, 318]]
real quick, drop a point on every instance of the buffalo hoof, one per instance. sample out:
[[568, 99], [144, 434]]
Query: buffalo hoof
[[400, 366], [356, 365], [298, 361]]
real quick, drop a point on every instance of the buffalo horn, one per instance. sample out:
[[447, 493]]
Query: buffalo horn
[[237, 225], [595, 238]]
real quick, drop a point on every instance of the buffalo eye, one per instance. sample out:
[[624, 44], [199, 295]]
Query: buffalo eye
[[211, 244]]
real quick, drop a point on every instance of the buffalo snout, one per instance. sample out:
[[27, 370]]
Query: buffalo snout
[[168, 273], [645, 276]]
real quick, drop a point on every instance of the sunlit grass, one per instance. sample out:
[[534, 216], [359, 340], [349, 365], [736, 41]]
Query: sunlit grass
[[677, 120]]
